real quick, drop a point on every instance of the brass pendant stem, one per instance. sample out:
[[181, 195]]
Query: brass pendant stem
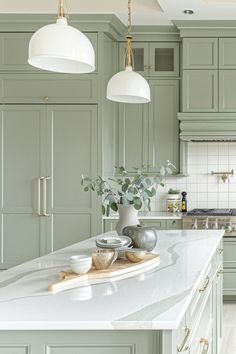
[[129, 56], [61, 10]]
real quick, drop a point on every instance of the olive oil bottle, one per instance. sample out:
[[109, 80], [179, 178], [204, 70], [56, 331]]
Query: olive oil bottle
[[184, 202]]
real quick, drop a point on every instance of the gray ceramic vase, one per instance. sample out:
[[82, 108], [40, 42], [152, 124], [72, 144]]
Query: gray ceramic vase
[[142, 236]]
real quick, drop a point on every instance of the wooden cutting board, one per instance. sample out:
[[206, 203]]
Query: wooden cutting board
[[120, 269]]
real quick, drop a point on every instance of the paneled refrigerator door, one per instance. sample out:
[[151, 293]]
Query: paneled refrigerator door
[[22, 163], [72, 151]]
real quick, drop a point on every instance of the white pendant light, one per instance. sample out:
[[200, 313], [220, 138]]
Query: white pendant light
[[128, 86], [61, 48]]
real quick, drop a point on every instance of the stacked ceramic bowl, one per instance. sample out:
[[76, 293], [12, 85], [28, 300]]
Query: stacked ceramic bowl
[[119, 243]]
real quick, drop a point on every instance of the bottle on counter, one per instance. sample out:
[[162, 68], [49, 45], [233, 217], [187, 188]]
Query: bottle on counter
[[184, 202]]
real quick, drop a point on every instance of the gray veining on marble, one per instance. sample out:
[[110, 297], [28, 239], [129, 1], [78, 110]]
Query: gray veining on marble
[[156, 299]]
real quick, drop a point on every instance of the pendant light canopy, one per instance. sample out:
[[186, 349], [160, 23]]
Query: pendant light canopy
[[61, 48], [128, 86]]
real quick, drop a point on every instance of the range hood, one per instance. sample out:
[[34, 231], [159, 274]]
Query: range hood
[[207, 126]]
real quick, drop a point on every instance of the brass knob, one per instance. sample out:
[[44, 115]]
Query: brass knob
[[46, 98]]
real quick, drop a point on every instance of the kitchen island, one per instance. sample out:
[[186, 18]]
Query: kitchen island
[[163, 311]]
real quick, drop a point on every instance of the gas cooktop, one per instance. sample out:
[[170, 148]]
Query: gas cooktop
[[213, 212]]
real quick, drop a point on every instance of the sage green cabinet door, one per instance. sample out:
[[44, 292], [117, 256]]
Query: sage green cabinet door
[[133, 135], [22, 148], [200, 53], [48, 88], [141, 57], [72, 151], [200, 91], [14, 51], [163, 123], [229, 282], [227, 53], [227, 90], [164, 59]]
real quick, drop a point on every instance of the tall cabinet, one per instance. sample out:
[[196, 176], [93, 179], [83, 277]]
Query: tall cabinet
[[50, 136], [149, 133]]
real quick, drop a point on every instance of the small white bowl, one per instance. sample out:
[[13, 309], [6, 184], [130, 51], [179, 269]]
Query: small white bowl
[[81, 264]]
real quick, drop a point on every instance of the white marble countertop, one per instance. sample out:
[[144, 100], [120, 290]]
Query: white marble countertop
[[150, 215], [157, 299]]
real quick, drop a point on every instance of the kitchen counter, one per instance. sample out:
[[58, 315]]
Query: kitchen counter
[[150, 215], [156, 300]]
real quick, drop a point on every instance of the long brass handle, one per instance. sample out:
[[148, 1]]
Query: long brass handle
[[207, 280], [205, 345], [39, 196], [183, 347], [45, 179]]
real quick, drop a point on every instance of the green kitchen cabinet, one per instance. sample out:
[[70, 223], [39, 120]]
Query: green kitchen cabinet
[[149, 134], [35, 88], [133, 135], [163, 134], [229, 279], [200, 53], [200, 91], [227, 53], [44, 151], [153, 59], [158, 224], [14, 51], [227, 89]]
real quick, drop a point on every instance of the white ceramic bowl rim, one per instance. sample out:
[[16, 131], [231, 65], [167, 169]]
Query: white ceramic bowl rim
[[81, 257]]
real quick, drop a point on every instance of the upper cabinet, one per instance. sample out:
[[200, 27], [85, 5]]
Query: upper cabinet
[[227, 53], [149, 134], [153, 59], [200, 91], [200, 53], [14, 51]]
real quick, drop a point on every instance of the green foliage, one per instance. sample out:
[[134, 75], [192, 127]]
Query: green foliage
[[122, 189], [173, 191]]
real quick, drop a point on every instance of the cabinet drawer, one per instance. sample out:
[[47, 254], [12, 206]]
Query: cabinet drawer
[[202, 334], [200, 296], [230, 253], [48, 88], [174, 224], [14, 51], [157, 224], [200, 53]]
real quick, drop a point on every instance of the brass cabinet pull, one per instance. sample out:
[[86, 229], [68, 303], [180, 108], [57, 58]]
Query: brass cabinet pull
[[46, 98], [220, 272], [183, 347], [45, 179], [207, 280], [205, 345], [39, 196], [146, 67], [42, 210], [220, 250]]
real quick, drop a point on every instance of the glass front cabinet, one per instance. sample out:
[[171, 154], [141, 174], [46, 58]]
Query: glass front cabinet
[[154, 59]]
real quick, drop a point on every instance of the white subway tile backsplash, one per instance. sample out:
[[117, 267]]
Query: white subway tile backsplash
[[202, 168], [192, 188], [204, 190], [232, 197], [223, 160], [212, 197], [223, 149], [213, 160]]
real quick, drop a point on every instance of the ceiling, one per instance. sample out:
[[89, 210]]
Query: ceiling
[[145, 12]]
